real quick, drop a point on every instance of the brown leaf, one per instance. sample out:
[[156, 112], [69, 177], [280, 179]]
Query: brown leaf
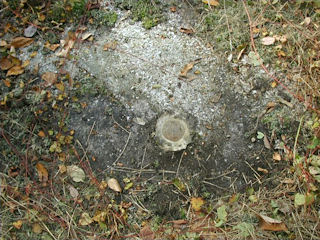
[[14, 71], [114, 185], [184, 71], [7, 82], [68, 45], [186, 30], [19, 42], [42, 173], [270, 224], [50, 78], [211, 2], [110, 46], [276, 156], [266, 142], [5, 64], [52, 47], [173, 9], [146, 233]]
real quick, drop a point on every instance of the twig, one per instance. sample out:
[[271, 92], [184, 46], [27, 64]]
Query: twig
[[124, 148], [177, 173], [212, 184], [144, 154], [296, 139]]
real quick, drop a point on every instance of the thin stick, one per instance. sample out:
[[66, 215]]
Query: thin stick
[[124, 148], [144, 154], [212, 184], [177, 173], [296, 139]]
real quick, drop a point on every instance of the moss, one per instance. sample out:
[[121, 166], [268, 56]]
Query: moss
[[150, 13], [106, 18], [67, 10]]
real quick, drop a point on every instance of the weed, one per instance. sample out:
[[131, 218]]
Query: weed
[[103, 18], [150, 13]]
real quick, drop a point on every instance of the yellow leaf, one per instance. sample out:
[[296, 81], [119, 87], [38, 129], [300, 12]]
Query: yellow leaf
[[36, 228], [196, 203], [100, 216], [85, 219], [17, 224], [273, 84], [14, 71], [25, 63], [33, 54], [42, 173], [60, 86], [62, 168], [211, 2]]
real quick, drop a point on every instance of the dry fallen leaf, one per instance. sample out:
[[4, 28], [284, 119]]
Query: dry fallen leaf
[[146, 233], [85, 219], [211, 2], [51, 47], [186, 30], [17, 224], [67, 46], [30, 31], [7, 82], [276, 156], [86, 36], [42, 173], [36, 228], [73, 191], [184, 71], [196, 203], [263, 170], [270, 224], [110, 46], [100, 216], [14, 71], [114, 185], [5, 64], [50, 78], [266, 142], [76, 173], [19, 42], [268, 41], [41, 133]]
